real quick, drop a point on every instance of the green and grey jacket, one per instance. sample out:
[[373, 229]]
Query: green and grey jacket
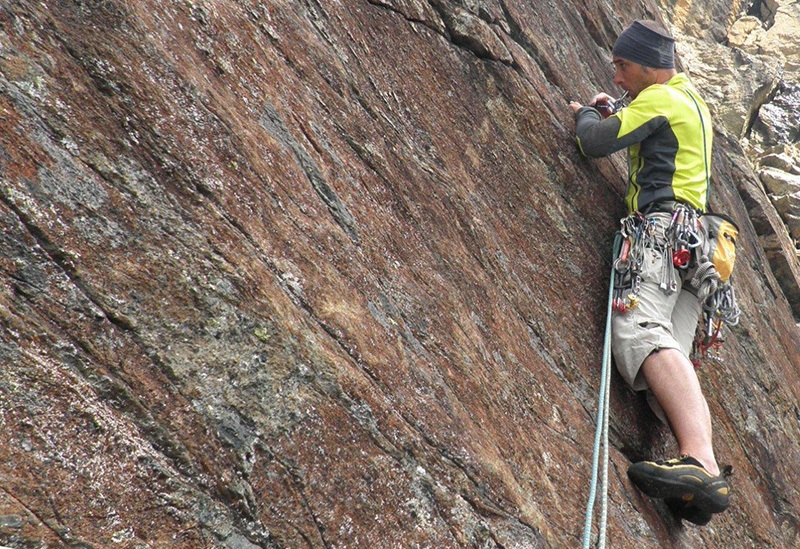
[[667, 130]]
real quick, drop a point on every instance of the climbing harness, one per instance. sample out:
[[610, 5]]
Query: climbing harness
[[601, 431], [698, 247]]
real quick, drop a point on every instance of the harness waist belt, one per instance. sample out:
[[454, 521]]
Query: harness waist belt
[[664, 206]]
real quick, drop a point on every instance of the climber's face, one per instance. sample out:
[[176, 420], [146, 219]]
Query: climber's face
[[633, 77]]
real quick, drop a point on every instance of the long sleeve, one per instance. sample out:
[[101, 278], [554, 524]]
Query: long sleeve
[[597, 137]]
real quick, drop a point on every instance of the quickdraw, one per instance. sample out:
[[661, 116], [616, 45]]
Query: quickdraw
[[705, 341], [683, 235], [638, 233], [718, 308]]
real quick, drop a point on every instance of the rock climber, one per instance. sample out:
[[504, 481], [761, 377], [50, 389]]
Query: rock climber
[[667, 130]]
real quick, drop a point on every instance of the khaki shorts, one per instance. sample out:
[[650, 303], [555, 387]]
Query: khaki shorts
[[660, 321]]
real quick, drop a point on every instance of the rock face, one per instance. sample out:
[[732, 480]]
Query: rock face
[[301, 274], [771, 34]]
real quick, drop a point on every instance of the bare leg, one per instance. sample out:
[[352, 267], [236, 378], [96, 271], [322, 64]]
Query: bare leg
[[671, 377]]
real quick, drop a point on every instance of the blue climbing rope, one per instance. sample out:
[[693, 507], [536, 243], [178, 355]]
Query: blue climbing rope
[[601, 431]]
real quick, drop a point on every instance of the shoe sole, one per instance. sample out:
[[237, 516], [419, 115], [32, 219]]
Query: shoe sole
[[689, 513], [670, 483]]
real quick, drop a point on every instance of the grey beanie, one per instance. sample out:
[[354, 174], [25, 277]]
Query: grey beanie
[[646, 43]]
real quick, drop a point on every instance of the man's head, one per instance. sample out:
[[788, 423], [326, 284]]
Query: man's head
[[648, 44], [643, 56]]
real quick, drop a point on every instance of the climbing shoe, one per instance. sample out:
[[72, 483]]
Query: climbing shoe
[[688, 512], [684, 479]]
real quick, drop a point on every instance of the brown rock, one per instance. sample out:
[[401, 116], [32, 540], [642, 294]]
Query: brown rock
[[334, 275]]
